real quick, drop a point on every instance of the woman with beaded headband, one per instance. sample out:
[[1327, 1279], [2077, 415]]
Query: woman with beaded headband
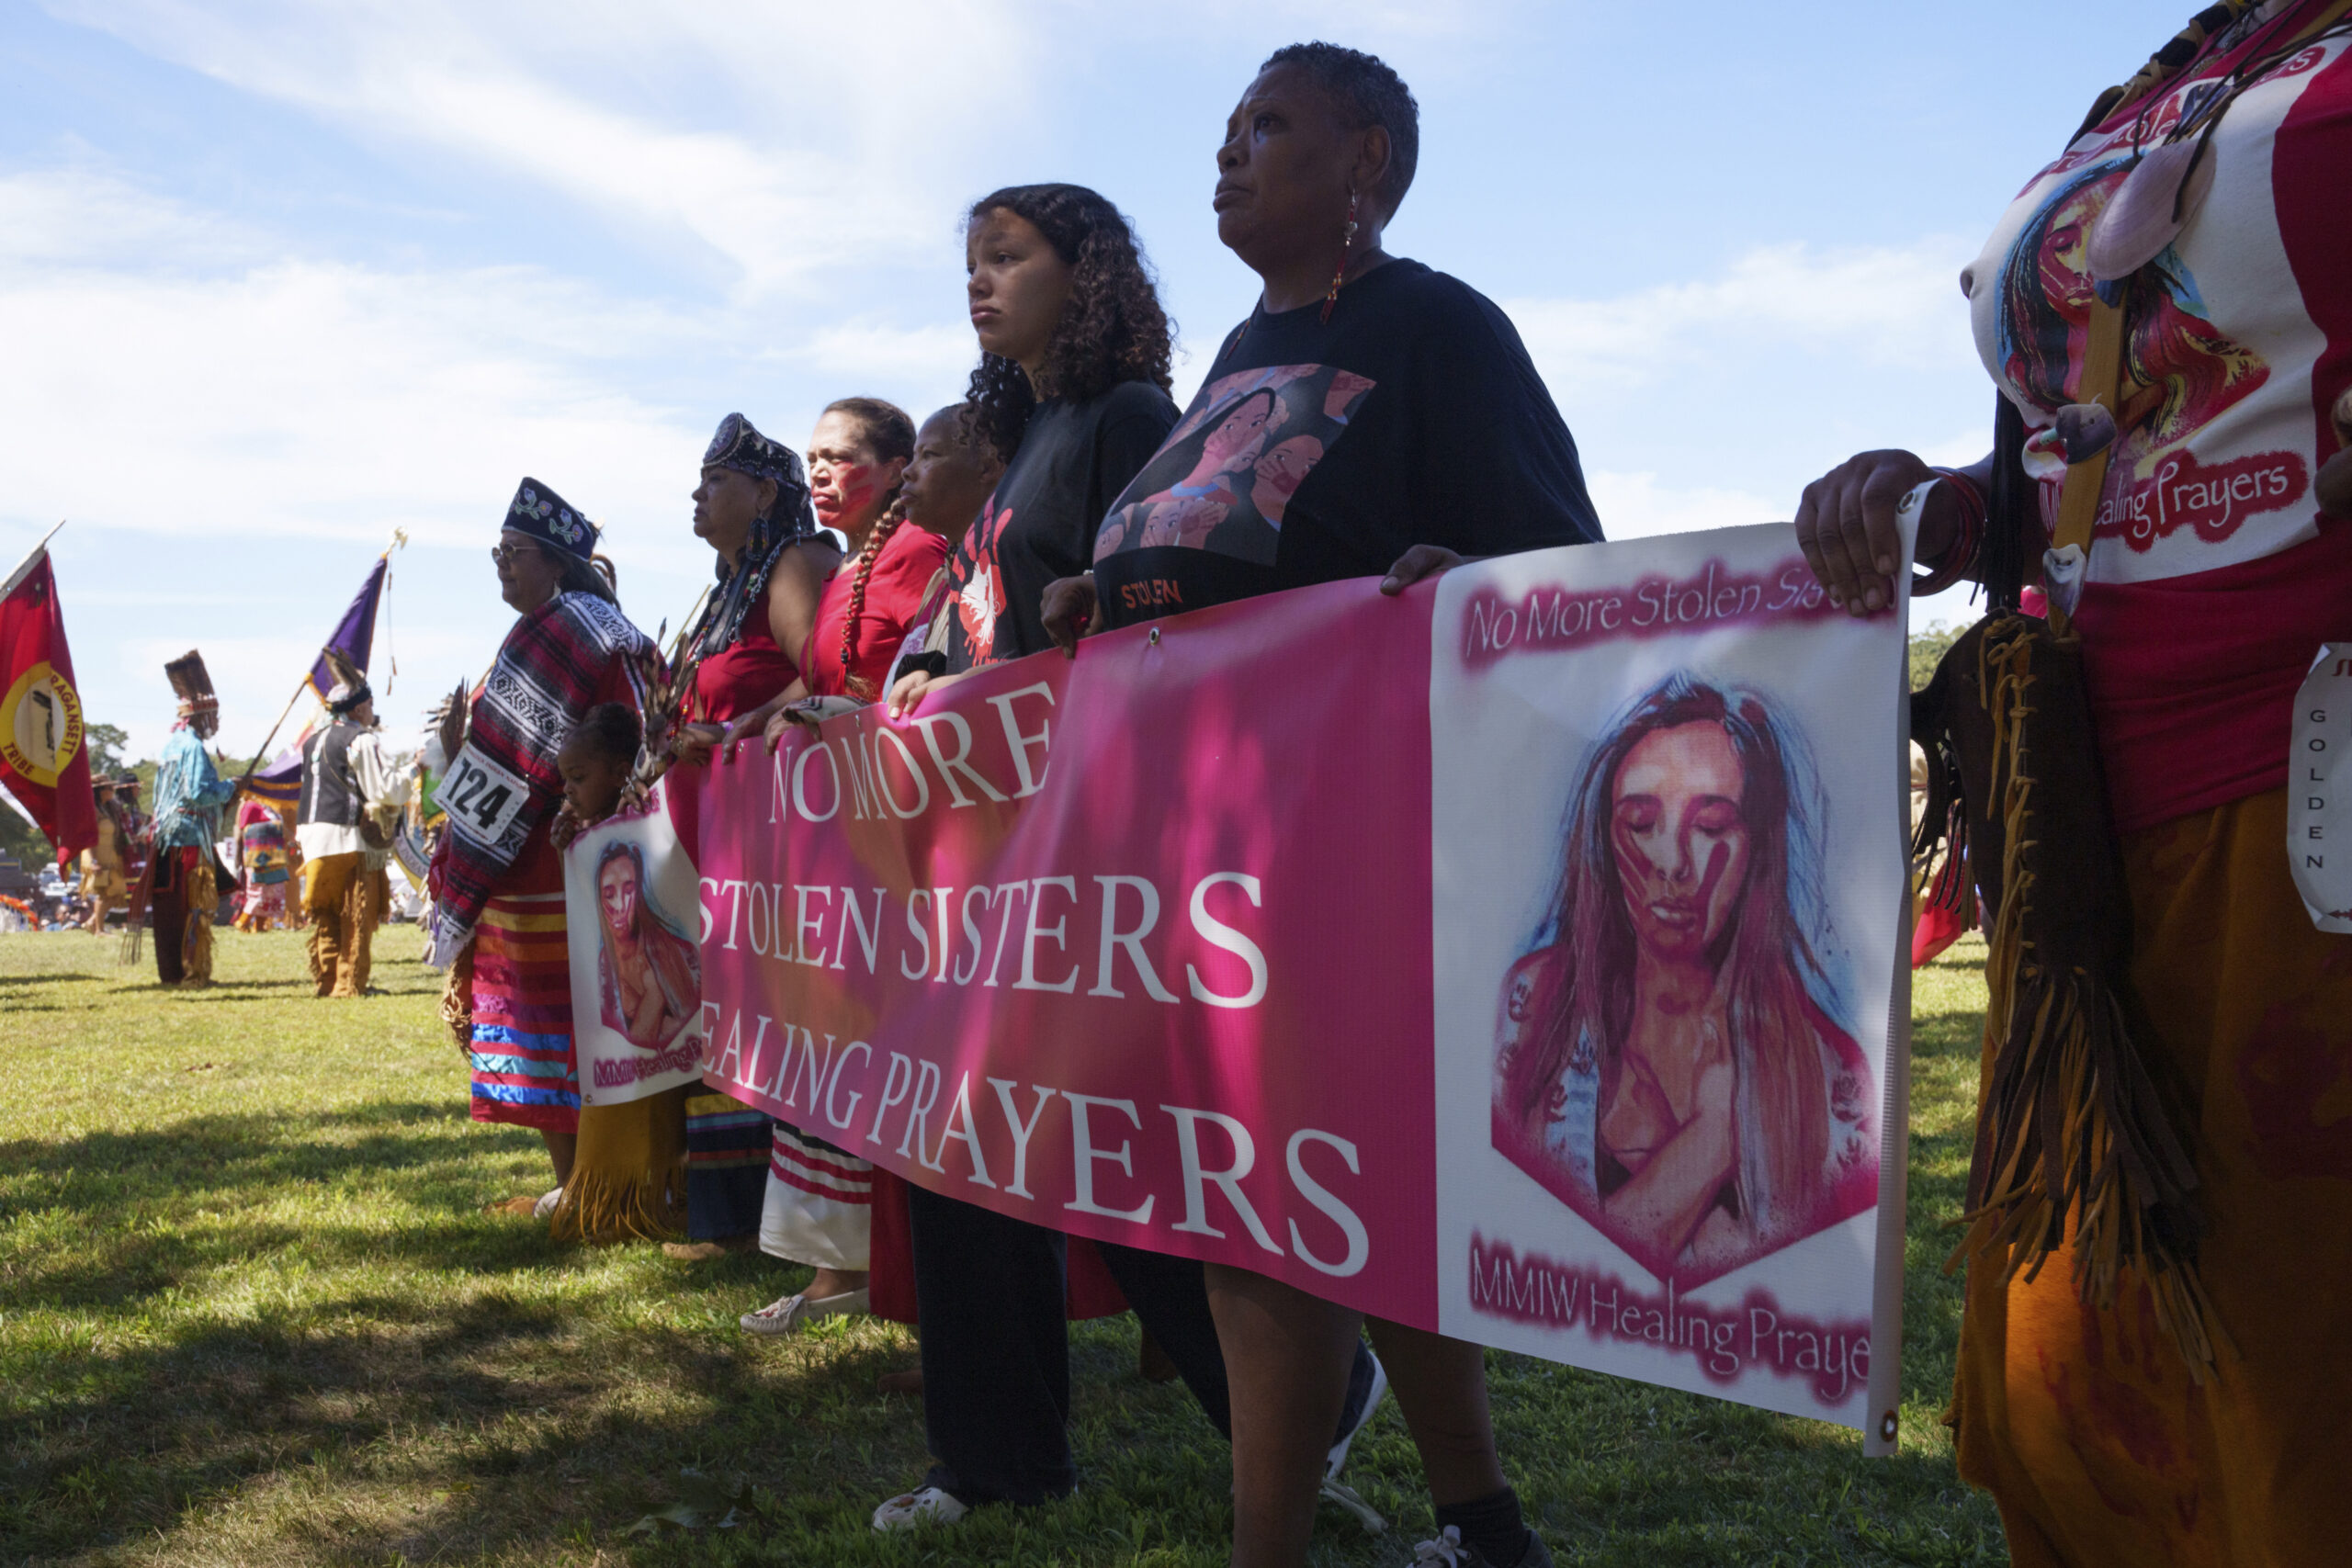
[[752, 507], [742, 660]]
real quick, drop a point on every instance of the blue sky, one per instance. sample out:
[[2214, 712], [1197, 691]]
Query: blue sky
[[278, 278]]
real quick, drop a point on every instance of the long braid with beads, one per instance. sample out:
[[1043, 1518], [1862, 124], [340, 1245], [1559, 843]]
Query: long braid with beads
[[887, 433], [879, 535]]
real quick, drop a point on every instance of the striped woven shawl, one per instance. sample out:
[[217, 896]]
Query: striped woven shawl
[[553, 664]]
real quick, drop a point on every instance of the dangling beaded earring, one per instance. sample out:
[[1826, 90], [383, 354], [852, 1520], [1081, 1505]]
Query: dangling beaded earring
[[1342, 275]]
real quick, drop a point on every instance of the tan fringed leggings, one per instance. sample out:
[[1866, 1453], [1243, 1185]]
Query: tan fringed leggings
[[340, 894]]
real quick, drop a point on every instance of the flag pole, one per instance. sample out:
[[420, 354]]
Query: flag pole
[[263, 754], [25, 566]]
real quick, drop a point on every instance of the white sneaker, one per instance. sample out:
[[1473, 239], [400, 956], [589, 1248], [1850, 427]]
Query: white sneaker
[[1446, 1551], [547, 1204], [1337, 1459], [926, 1506], [788, 1314], [1449, 1550]]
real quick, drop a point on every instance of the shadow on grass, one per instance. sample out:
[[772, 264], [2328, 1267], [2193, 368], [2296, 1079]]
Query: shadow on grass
[[502, 1411], [114, 1206]]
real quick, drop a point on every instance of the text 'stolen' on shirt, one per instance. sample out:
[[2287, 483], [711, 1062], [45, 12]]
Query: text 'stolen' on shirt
[[1316, 451]]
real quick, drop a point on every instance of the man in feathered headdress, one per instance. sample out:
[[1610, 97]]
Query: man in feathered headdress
[[189, 793], [351, 793]]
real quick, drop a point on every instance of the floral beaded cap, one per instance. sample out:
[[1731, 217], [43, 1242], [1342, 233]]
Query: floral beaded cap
[[741, 447], [790, 519], [547, 517]]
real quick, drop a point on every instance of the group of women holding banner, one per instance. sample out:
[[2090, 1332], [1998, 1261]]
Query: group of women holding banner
[[1068, 494], [1068, 423]]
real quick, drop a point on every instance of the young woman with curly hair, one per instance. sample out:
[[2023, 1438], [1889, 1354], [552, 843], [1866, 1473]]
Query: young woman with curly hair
[[1072, 390]]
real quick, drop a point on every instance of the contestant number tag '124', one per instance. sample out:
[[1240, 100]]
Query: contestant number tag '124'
[[2319, 790], [482, 794]]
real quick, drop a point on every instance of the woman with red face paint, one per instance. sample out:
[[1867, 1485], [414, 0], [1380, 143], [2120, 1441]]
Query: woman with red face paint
[[858, 460], [856, 454], [1372, 416], [1664, 1060], [819, 1205]]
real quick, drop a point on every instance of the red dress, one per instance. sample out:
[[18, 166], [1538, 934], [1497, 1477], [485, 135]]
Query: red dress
[[742, 675], [727, 1141], [895, 588]]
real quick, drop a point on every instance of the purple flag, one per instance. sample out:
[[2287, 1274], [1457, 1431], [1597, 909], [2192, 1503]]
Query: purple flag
[[279, 783], [355, 635]]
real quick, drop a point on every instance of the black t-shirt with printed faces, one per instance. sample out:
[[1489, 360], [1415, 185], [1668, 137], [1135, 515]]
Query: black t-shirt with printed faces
[[1039, 523], [1316, 450]]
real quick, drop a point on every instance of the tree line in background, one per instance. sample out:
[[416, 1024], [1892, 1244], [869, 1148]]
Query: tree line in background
[[1927, 650]]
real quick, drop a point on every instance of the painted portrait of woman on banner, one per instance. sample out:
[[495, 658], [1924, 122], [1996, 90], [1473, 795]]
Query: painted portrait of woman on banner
[[1671, 1061], [649, 975]]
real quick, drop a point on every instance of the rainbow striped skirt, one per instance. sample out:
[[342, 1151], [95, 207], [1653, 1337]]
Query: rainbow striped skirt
[[525, 1071]]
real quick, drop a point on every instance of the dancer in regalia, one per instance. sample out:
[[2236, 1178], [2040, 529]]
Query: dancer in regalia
[[349, 789], [189, 793], [103, 883], [261, 860]]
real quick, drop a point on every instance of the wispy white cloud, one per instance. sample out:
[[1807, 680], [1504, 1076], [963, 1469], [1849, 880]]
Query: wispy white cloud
[[1875, 308], [935, 355], [760, 135], [79, 215], [1637, 505], [297, 396]]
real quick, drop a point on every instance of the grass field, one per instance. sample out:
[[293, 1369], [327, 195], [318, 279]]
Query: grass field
[[252, 1312]]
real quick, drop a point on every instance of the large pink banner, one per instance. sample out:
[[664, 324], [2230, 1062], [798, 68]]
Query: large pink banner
[[1272, 934], [1133, 946]]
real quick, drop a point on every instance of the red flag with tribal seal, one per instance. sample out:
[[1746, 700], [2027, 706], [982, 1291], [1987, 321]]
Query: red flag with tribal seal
[[43, 761]]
